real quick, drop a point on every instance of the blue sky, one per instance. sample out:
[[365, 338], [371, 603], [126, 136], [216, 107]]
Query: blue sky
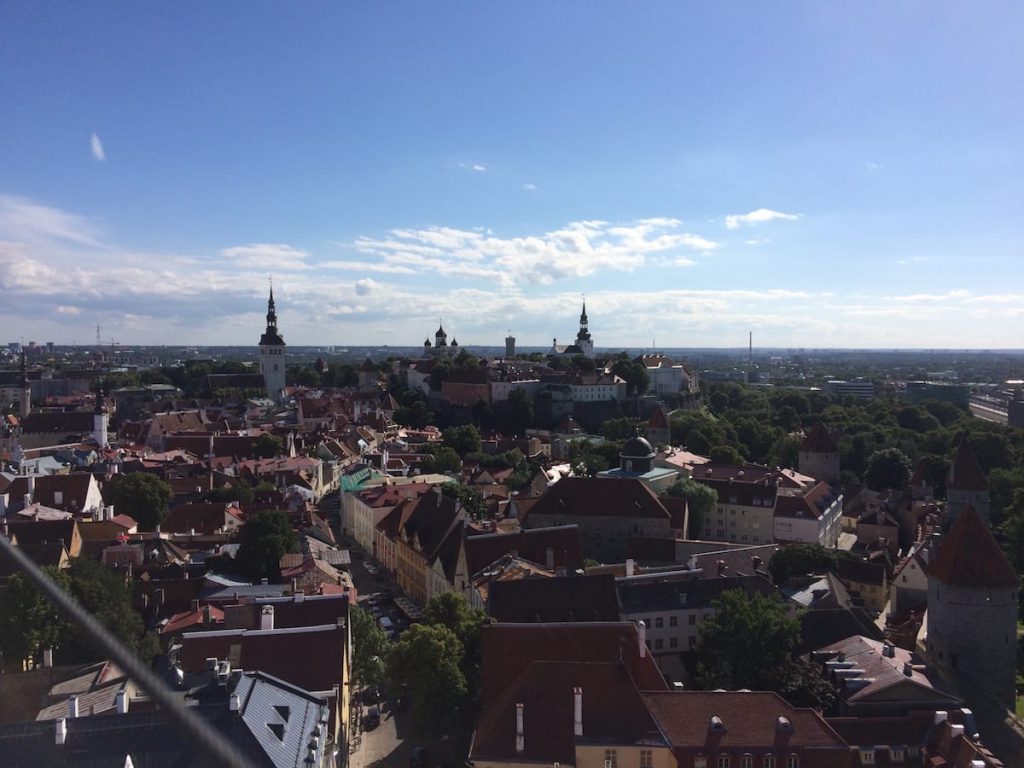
[[824, 174]]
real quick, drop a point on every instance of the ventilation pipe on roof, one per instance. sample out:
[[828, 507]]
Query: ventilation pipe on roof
[[889, 650], [73, 706], [941, 716], [62, 731], [630, 566], [234, 703], [956, 730], [641, 630], [520, 739], [48, 657], [577, 711], [122, 702], [549, 558]]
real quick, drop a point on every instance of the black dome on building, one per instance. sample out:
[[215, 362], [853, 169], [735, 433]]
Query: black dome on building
[[637, 448]]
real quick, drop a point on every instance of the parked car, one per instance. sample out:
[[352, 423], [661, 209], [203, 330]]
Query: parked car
[[386, 624], [372, 717]]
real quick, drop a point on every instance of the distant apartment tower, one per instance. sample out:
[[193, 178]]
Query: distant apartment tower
[[819, 457], [510, 346], [272, 348], [865, 390], [966, 485]]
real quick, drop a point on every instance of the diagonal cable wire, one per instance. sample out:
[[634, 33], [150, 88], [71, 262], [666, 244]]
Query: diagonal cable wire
[[220, 751]]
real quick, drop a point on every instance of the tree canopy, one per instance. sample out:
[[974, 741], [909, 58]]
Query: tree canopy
[[263, 539], [427, 659], [370, 647], [141, 495]]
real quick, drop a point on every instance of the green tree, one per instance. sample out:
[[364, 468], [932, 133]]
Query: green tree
[[370, 647], [268, 446], [517, 414], [747, 643], [887, 468], [415, 415], [451, 610], [799, 559], [141, 495], [29, 624], [701, 501], [428, 659], [622, 428], [263, 539], [462, 440], [469, 498], [440, 460]]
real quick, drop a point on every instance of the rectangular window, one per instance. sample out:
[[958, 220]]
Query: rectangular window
[[747, 761], [700, 762], [658, 644], [646, 759], [692, 619], [792, 762], [673, 621], [673, 642], [768, 762], [610, 759], [659, 623], [867, 757], [723, 761], [693, 641]]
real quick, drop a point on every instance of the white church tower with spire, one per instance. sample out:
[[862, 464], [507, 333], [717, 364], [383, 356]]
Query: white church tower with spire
[[272, 353]]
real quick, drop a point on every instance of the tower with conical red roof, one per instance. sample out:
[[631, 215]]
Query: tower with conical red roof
[[966, 485], [272, 347], [972, 608], [818, 456]]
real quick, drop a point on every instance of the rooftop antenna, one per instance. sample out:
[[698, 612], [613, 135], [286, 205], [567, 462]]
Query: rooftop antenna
[[98, 342]]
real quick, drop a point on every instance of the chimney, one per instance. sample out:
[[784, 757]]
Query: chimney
[[520, 739], [956, 730], [48, 657], [755, 561], [193, 605], [62, 731], [267, 617], [941, 716], [721, 566], [577, 711], [549, 558], [72, 706], [641, 630], [889, 650], [122, 702], [630, 566], [207, 617], [234, 703]]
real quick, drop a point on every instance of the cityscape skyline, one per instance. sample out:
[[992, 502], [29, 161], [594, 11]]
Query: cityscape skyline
[[822, 176]]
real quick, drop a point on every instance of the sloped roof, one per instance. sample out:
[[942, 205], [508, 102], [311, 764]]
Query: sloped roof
[[562, 598], [600, 497], [965, 473], [750, 720], [530, 543], [818, 440], [970, 557]]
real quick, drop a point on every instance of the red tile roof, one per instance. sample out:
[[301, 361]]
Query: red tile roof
[[970, 557], [600, 497], [965, 474], [818, 440], [530, 544]]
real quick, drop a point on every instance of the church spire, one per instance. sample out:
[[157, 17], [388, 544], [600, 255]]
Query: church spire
[[271, 311]]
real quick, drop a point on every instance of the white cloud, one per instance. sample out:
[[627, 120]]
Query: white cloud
[[761, 215], [576, 250], [68, 310], [25, 221], [478, 167], [268, 256], [367, 266], [366, 286], [529, 187], [97, 148], [871, 165]]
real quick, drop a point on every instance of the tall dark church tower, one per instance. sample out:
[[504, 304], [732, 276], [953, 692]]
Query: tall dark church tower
[[583, 340], [272, 352]]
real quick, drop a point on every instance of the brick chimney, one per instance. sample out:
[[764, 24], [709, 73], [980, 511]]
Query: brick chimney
[[267, 617], [62, 731], [520, 738]]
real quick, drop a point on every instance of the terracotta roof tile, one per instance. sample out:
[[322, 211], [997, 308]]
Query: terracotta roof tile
[[970, 557], [965, 474], [818, 440]]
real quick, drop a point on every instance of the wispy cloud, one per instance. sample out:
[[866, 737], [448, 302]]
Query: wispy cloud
[[529, 187], [872, 166], [761, 215], [68, 310], [97, 148], [478, 167], [270, 257], [912, 260], [576, 250]]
